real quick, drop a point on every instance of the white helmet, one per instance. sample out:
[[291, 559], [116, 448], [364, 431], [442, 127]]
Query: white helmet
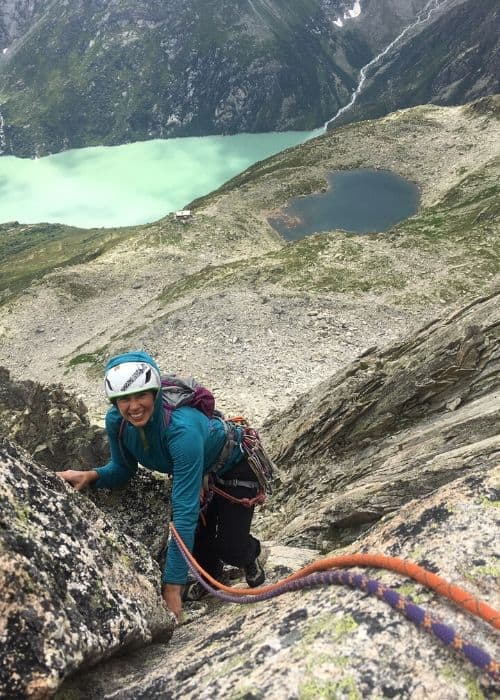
[[131, 378]]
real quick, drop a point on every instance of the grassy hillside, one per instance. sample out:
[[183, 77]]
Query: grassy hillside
[[28, 252]]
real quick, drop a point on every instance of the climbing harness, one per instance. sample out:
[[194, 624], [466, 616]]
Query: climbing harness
[[319, 573], [239, 435], [257, 500]]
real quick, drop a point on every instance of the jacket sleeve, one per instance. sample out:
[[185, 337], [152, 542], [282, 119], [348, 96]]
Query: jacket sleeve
[[186, 447], [122, 465]]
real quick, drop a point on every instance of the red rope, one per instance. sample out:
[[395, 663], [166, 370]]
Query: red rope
[[259, 499]]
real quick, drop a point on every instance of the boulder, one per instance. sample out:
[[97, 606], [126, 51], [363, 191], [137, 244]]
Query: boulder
[[141, 510], [74, 590]]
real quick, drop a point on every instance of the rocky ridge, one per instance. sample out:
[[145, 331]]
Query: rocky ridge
[[393, 425]]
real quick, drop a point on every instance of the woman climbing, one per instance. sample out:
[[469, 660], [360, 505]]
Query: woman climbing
[[194, 447]]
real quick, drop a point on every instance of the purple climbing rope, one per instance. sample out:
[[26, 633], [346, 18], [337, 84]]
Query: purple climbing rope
[[344, 577]]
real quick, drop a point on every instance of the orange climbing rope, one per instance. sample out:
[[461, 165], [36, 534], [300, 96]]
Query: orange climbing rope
[[458, 595]]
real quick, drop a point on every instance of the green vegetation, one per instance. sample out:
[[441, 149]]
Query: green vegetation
[[316, 689], [331, 627], [28, 252], [90, 358]]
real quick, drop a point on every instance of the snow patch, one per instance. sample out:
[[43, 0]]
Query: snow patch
[[355, 12], [349, 14]]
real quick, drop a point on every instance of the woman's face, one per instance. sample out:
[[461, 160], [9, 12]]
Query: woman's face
[[137, 408]]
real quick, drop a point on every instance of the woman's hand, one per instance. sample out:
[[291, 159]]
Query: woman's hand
[[79, 480], [172, 596]]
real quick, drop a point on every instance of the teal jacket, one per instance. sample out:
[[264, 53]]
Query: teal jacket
[[186, 449]]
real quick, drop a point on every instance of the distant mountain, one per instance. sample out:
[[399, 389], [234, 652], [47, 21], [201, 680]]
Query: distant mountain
[[107, 72], [91, 72], [451, 60]]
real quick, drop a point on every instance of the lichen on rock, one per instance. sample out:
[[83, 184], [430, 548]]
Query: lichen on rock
[[74, 589]]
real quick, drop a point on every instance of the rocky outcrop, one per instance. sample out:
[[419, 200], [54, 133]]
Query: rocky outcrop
[[394, 425], [333, 642], [50, 423], [53, 426], [73, 589]]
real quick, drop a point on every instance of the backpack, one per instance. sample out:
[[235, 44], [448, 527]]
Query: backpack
[[177, 392]]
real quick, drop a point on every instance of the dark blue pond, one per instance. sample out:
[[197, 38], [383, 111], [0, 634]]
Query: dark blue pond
[[359, 201]]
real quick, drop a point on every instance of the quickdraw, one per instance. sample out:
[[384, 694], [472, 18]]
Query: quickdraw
[[258, 459]]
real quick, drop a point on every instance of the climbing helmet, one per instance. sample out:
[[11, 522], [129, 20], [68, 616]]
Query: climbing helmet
[[131, 378]]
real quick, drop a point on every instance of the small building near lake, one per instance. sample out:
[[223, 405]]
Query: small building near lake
[[183, 215]]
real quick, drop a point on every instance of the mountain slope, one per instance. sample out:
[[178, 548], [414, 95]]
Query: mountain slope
[[453, 59], [225, 299], [112, 72]]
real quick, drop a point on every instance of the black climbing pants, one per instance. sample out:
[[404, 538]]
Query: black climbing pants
[[223, 534]]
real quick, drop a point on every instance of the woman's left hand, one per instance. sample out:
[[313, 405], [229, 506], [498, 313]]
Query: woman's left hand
[[172, 595]]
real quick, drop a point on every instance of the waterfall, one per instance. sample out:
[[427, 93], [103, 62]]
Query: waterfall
[[423, 16], [3, 142]]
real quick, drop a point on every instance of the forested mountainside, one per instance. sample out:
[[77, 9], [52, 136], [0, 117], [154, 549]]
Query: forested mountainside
[[452, 60], [16, 18], [95, 72]]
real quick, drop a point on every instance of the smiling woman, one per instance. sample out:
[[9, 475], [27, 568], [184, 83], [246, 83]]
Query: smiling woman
[[197, 448], [132, 184]]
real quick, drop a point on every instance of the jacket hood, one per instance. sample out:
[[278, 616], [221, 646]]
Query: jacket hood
[[141, 356]]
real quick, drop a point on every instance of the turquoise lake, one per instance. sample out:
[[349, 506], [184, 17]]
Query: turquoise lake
[[130, 184], [358, 201]]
